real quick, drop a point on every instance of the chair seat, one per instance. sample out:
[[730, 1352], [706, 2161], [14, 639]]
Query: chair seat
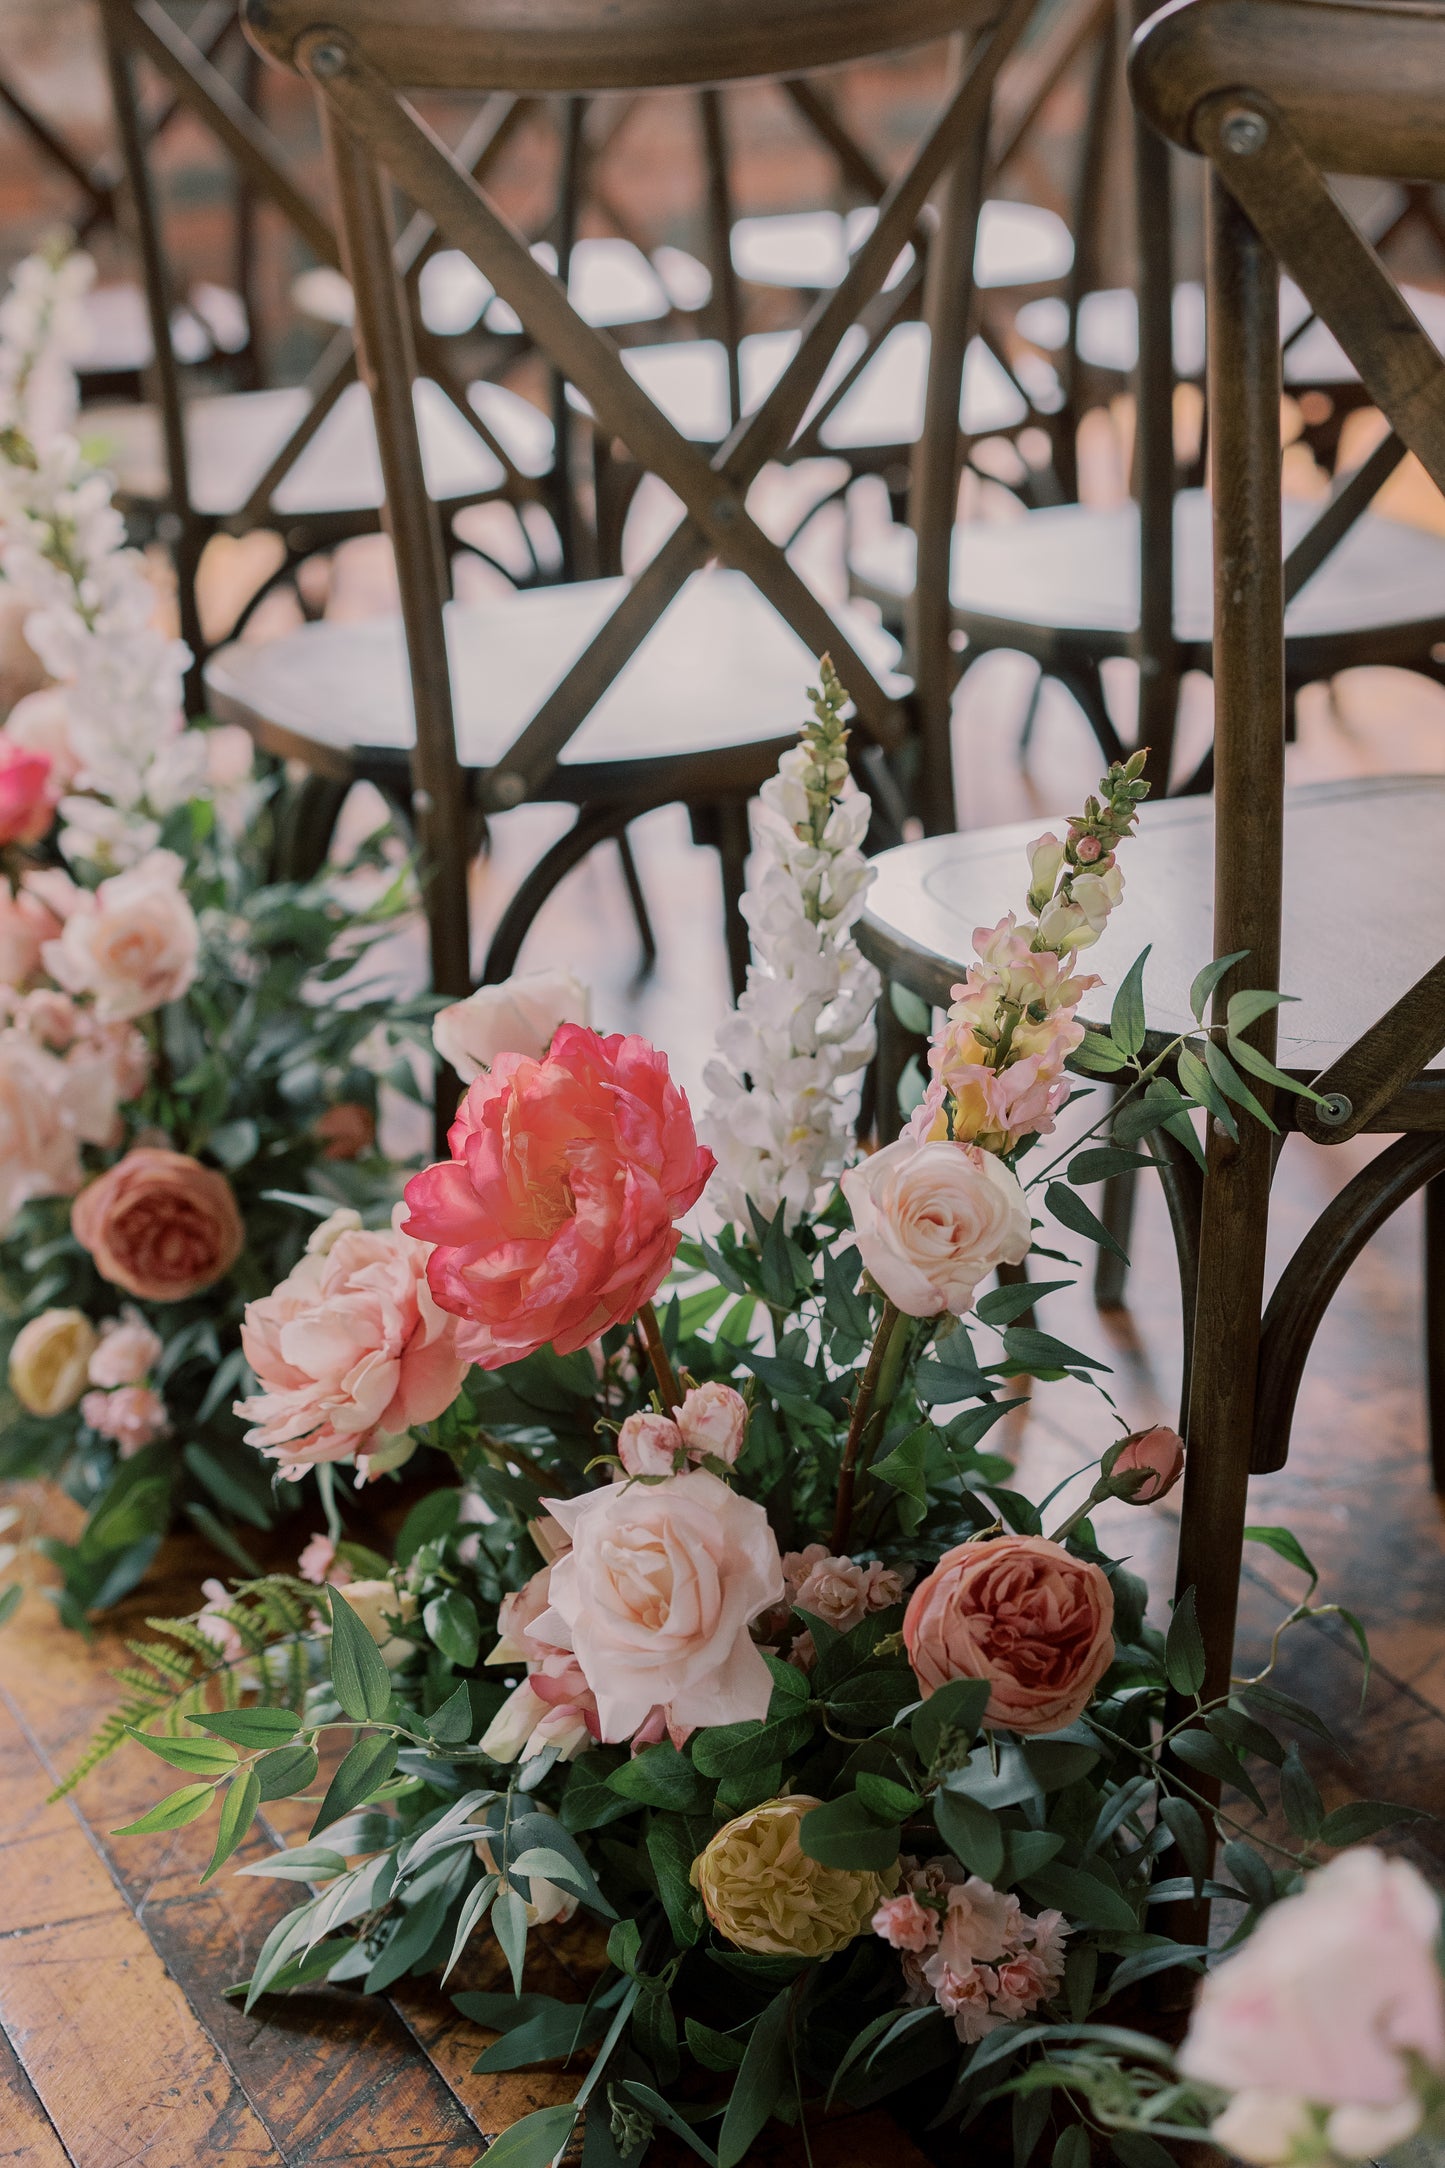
[[688, 380], [1074, 570], [610, 283], [232, 439], [1019, 244], [1109, 332], [720, 672], [1384, 917]]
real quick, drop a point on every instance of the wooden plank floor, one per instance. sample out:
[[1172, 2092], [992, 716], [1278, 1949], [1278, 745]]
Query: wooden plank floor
[[116, 2043]]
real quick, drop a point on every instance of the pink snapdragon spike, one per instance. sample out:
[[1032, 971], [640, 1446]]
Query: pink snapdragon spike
[[555, 1216]]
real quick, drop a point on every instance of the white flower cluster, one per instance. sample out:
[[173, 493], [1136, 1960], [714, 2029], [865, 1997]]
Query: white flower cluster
[[112, 724], [779, 1118], [42, 330]]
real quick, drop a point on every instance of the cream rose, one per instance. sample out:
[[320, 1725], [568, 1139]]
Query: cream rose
[[655, 1599], [713, 1420], [517, 1017], [932, 1220], [378, 1604], [49, 1361], [133, 944], [761, 1890]]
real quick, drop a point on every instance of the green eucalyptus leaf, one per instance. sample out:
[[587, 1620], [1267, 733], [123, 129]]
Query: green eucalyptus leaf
[[361, 1679]]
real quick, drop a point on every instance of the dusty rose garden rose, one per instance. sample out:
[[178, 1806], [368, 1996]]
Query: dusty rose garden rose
[[655, 1599], [1023, 1613], [349, 1349], [159, 1225], [554, 1217], [934, 1219], [133, 943]]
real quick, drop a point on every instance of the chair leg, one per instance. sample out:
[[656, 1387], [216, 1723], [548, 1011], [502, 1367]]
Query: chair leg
[[305, 821], [593, 825], [1111, 1272], [1435, 1327], [638, 901], [1031, 713]]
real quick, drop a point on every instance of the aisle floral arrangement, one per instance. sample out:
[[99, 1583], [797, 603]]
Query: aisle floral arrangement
[[731, 1630], [184, 1044]]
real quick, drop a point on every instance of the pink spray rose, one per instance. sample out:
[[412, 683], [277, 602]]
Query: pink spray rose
[[132, 1415], [319, 1564], [713, 1420], [554, 1217], [932, 1220], [1158, 1456], [349, 1349], [1333, 1992], [648, 1444], [127, 1351], [27, 794], [133, 944], [517, 1017], [905, 1924], [655, 1599], [1023, 1613]]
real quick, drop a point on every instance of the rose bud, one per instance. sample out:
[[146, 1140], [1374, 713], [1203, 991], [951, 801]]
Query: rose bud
[[648, 1444], [713, 1420], [1157, 1455]]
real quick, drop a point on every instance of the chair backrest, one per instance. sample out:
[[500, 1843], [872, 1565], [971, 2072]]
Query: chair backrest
[[363, 58], [1273, 96]]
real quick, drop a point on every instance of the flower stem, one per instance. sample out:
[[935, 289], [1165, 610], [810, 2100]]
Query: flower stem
[[657, 1355], [862, 1408]]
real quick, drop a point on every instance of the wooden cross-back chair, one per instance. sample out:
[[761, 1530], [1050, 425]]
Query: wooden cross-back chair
[[613, 696], [293, 459]]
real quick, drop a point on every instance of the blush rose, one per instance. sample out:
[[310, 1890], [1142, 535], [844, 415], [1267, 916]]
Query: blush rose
[[655, 1599], [932, 1220], [1024, 1614], [1152, 1461], [159, 1225], [132, 944], [554, 1217], [518, 1017]]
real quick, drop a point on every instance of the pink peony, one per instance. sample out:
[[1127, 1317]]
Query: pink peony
[[1332, 1994], [26, 924], [133, 944], [554, 1217], [713, 1420], [28, 796], [649, 1444], [132, 1416], [349, 1350], [1025, 1614], [932, 1220], [127, 1352], [905, 1924], [655, 1599], [1158, 1456]]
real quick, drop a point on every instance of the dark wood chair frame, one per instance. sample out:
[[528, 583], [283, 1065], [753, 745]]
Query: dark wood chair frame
[[1273, 97], [359, 68]]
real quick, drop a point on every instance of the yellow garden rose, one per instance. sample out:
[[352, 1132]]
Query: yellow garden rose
[[763, 1892], [49, 1361]]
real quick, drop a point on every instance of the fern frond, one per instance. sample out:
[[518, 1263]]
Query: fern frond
[[190, 1637], [156, 1690], [166, 1662]]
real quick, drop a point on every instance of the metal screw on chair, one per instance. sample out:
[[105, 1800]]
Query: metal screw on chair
[[1334, 1110], [1243, 132], [328, 60], [508, 789]]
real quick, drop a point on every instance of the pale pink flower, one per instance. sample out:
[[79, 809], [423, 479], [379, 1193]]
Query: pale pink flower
[[517, 1017], [655, 1599], [905, 1924], [51, 1018], [133, 944], [1046, 863], [39, 1144], [40, 722], [222, 1635], [133, 1416], [648, 1444], [885, 1585], [349, 1350], [319, 1564], [1158, 1456], [1332, 1994], [1023, 1983], [964, 1994], [932, 1220], [981, 1922], [127, 1352], [713, 1420], [26, 924], [1032, 977], [836, 1591]]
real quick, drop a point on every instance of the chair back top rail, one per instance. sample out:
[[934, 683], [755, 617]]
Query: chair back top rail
[[1360, 82], [579, 45]]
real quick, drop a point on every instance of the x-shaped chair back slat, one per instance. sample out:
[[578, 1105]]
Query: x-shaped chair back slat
[[373, 108], [1273, 96]]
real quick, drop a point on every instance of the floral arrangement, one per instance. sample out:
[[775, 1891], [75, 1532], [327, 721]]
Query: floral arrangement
[[184, 1044], [731, 1633]]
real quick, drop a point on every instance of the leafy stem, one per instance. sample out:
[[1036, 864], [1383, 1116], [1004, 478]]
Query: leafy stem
[[877, 1373]]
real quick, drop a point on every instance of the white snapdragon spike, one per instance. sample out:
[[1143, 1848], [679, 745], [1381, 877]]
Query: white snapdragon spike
[[779, 1115], [42, 331]]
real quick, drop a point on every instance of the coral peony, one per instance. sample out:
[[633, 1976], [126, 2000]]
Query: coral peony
[[518, 1017], [349, 1350], [554, 1217], [133, 944], [159, 1225], [933, 1220], [48, 1361], [761, 1890], [655, 1599], [28, 796], [1023, 1613]]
